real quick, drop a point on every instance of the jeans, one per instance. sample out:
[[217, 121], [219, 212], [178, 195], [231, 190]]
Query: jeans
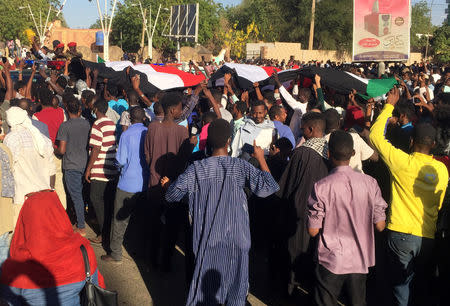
[[102, 197], [409, 255], [66, 295], [74, 185], [124, 205], [329, 285]]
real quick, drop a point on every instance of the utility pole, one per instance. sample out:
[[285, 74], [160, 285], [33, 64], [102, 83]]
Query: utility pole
[[144, 28], [428, 34], [311, 28], [106, 27]]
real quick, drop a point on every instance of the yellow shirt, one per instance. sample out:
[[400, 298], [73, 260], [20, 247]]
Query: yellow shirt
[[418, 184]]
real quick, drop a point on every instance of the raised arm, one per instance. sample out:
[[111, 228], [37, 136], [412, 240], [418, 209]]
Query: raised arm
[[9, 84], [294, 104], [66, 68], [30, 82], [94, 79], [88, 77], [212, 101], [20, 69], [191, 103], [135, 82], [394, 158], [258, 91]]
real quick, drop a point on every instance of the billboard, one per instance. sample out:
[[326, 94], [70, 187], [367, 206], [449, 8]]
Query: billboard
[[381, 30], [184, 22]]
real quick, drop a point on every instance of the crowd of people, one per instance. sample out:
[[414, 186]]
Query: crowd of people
[[339, 193]]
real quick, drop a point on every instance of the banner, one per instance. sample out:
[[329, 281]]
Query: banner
[[381, 30]]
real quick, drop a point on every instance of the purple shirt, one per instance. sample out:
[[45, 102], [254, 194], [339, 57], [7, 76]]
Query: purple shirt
[[345, 205]]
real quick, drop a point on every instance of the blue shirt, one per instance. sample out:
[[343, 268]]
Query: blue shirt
[[408, 127], [284, 131], [118, 106], [130, 158]]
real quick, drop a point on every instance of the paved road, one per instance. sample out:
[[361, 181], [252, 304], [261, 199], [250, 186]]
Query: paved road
[[138, 284]]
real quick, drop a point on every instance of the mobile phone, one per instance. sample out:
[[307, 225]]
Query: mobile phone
[[193, 130], [248, 148]]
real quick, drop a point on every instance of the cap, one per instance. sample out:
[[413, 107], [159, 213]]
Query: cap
[[59, 46], [55, 43], [72, 44]]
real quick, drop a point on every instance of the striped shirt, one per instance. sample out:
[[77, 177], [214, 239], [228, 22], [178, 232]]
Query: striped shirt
[[102, 136]]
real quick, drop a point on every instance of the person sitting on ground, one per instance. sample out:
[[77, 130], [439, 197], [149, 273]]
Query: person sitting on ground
[[46, 265], [343, 209], [218, 205]]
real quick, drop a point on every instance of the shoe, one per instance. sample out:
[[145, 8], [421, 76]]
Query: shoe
[[96, 240], [81, 231], [108, 258]]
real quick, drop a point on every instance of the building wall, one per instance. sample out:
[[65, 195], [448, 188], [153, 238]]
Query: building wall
[[284, 51], [254, 49], [83, 37], [281, 50]]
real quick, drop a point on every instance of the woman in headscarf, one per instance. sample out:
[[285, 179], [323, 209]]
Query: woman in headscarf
[[46, 265]]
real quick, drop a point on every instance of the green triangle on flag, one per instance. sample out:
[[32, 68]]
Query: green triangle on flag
[[380, 87], [99, 59]]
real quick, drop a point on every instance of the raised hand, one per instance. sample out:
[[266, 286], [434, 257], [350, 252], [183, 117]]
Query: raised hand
[[136, 81], [393, 96]]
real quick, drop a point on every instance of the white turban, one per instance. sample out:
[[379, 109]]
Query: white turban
[[18, 118]]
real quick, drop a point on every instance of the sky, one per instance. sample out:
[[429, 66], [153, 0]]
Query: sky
[[81, 14]]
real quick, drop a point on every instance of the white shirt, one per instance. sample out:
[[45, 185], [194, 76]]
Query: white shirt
[[30, 170], [362, 152], [436, 77], [226, 115], [299, 110]]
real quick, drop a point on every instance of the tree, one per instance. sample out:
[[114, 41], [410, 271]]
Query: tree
[[96, 25], [440, 44], [128, 21], [289, 21], [14, 21], [264, 13], [420, 24], [236, 40]]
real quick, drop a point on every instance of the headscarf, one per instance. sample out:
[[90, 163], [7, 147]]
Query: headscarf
[[17, 118], [320, 145], [45, 251]]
